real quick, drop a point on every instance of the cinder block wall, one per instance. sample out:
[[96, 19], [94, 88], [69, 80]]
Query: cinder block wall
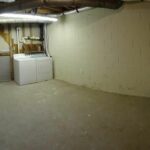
[[104, 49]]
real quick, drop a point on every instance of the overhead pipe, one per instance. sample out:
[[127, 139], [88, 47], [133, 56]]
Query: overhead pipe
[[71, 12], [23, 4], [77, 10]]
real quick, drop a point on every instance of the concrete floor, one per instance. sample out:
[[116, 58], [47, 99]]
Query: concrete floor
[[55, 115]]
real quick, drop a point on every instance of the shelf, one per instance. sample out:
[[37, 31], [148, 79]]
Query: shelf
[[33, 38]]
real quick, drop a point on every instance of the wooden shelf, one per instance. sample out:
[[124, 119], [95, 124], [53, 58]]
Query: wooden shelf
[[33, 39]]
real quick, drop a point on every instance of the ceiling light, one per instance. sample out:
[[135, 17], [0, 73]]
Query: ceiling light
[[7, 1], [28, 17]]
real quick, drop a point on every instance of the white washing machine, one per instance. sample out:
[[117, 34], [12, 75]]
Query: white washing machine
[[32, 68]]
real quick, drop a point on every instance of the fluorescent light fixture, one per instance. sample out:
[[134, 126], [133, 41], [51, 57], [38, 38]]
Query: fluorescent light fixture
[[7, 1], [27, 17]]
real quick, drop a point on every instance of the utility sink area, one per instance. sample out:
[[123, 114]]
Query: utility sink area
[[32, 68]]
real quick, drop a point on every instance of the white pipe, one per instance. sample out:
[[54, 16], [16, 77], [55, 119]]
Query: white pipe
[[17, 30], [71, 12], [78, 10]]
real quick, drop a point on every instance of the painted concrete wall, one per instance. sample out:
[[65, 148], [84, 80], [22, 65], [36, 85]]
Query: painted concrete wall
[[104, 49]]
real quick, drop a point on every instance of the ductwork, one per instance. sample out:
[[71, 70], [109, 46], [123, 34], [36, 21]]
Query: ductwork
[[23, 4]]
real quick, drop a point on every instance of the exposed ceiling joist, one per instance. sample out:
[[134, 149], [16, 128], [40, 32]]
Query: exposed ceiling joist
[[24, 4]]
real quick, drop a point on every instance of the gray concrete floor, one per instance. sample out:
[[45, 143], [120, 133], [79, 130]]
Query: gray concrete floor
[[55, 115]]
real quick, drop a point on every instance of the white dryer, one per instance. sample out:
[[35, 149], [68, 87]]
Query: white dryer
[[44, 68]]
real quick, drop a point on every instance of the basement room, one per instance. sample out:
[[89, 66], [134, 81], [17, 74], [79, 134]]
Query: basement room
[[74, 74]]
